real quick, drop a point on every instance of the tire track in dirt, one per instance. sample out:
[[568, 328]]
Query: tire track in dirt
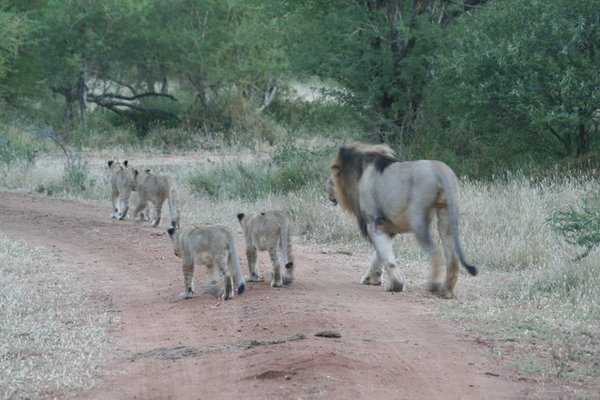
[[391, 346]]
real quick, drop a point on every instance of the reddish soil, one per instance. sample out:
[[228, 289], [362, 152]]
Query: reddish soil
[[265, 343]]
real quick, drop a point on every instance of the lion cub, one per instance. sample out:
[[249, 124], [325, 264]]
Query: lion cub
[[269, 231], [155, 189], [120, 184], [214, 247]]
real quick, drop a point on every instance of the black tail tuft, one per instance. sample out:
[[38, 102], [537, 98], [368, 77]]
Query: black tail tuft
[[289, 265], [241, 288], [472, 270]]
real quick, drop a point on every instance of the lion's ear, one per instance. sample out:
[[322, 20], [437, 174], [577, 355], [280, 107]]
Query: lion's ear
[[148, 171], [240, 217], [135, 172], [335, 169], [125, 163], [110, 163], [171, 231]]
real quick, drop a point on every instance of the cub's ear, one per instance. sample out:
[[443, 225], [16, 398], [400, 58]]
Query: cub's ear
[[125, 163], [171, 231], [240, 217], [110, 163]]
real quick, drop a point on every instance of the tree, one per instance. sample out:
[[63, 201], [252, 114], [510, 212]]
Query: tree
[[14, 30], [378, 50], [521, 78]]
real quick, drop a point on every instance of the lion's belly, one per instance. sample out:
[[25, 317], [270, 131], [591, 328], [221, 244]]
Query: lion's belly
[[395, 225]]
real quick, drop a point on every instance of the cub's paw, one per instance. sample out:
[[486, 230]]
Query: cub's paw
[[256, 278], [370, 280]]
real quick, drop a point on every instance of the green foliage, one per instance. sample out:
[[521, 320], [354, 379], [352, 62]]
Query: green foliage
[[290, 169], [17, 146], [579, 227], [516, 82], [76, 176], [14, 29]]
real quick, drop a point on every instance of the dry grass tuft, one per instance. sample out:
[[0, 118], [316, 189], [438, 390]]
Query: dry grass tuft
[[51, 337]]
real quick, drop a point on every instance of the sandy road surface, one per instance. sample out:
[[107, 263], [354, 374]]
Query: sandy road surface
[[262, 344]]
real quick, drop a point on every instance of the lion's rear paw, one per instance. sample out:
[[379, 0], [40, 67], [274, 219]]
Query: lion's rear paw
[[186, 295], [276, 282]]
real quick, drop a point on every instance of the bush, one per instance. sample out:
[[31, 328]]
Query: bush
[[579, 227], [290, 169], [16, 145]]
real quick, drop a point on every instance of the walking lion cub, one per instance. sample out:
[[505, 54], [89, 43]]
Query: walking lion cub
[[214, 247], [269, 231], [121, 180], [155, 189]]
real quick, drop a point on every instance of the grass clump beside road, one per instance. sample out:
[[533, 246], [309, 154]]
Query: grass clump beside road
[[52, 338]]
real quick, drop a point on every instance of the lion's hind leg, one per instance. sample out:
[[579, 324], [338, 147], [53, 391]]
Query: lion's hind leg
[[277, 277], [114, 197], [373, 274], [158, 214], [452, 266], [188, 281], [221, 262], [123, 206], [251, 256]]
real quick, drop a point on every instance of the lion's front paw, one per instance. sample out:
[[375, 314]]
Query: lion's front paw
[[186, 295], [370, 280], [256, 278]]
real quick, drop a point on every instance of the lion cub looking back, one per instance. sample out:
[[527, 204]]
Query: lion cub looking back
[[214, 247], [269, 231]]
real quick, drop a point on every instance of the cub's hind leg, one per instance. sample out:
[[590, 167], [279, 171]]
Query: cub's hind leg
[[188, 281], [158, 214], [252, 257], [277, 278], [221, 262], [114, 197]]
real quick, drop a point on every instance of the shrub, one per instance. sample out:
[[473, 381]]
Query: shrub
[[579, 227]]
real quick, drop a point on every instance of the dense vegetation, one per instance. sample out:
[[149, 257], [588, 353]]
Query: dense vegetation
[[482, 84]]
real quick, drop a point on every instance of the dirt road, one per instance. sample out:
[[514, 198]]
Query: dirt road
[[262, 344]]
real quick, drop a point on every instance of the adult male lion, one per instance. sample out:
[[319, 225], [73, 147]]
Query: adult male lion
[[214, 247], [120, 182], [155, 189], [269, 231], [388, 197]]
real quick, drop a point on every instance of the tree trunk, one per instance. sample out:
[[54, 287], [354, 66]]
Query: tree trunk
[[81, 96], [582, 140]]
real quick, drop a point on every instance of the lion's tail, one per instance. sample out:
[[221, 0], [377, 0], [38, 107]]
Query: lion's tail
[[286, 245], [174, 207], [450, 190], [233, 263]]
